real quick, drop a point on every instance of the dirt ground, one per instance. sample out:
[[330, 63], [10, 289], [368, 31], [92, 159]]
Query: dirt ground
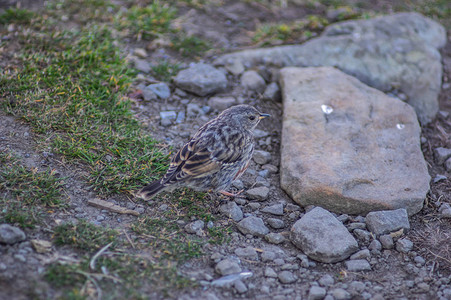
[[228, 28]]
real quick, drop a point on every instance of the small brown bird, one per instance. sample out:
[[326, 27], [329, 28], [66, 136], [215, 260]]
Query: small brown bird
[[215, 156]]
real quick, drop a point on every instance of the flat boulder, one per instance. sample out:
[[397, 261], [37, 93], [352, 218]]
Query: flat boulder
[[348, 147], [395, 52], [201, 79]]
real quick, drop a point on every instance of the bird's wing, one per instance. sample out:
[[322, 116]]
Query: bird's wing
[[204, 156]]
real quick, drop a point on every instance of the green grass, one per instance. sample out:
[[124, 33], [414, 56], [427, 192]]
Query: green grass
[[84, 236], [274, 34], [190, 46], [28, 192], [165, 70], [16, 16], [72, 85], [147, 22]]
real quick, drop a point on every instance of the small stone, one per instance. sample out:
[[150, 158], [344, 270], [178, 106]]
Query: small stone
[[362, 254], [357, 265], [275, 238], [448, 165], [386, 241], [149, 95], [272, 92], [247, 253], [195, 226], [362, 235], [375, 245], [357, 286], [439, 178], [258, 193], [268, 256], [160, 89], [326, 280], [383, 222], [261, 157], [251, 80], [167, 117], [276, 209], [20, 257], [270, 168], [180, 117], [140, 52], [227, 267], [269, 272], [240, 287], [41, 246], [404, 245], [287, 277], [232, 210], [201, 79], [446, 213], [276, 223], [340, 294], [221, 103], [419, 260], [10, 234], [316, 293], [441, 154], [235, 67], [142, 65], [253, 225], [356, 225], [194, 110]]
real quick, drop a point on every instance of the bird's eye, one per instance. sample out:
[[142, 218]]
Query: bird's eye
[[252, 118]]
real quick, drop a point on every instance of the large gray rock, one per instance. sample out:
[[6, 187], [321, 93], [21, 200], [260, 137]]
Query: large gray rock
[[386, 221], [322, 237], [201, 79], [253, 225], [348, 147], [396, 52]]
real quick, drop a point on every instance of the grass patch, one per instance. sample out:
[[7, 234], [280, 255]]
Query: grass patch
[[17, 16], [84, 236], [146, 23], [72, 85], [28, 193], [165, 70], [274, 34], [190, 46]]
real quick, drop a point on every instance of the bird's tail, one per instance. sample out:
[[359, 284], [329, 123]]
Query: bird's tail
[[150, 190]]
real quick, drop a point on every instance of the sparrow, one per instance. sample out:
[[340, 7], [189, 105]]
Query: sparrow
[[216, 155]]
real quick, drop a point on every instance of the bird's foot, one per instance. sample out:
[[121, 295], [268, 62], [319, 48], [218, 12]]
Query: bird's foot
[[233, 195]]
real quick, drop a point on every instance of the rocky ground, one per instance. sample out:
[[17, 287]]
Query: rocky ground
[[409, 258]]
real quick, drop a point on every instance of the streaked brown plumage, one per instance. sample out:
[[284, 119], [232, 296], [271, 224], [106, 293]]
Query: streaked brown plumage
[[215, 156]]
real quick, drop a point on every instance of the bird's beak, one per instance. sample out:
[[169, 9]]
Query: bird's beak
[[262, 116]]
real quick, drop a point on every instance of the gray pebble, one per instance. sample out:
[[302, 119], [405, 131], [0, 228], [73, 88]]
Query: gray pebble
[[272, 92], [167, 117], [357, 286], [269, 272], [386, 241], [221, 103], [268, 256], [287, 277], [356, 225], [404, 245], [276, 223], [195, 226], [375, 245], [258, 193], [326, 280], [253, 225], [441, 154], [276, 209], [340, 294], [261, 157], [232, 210], [142, 65], [357, 265], [251, 80], [160, 89], [275, 238], [240, 287], [227, 267], [362, 254], [193, 110], [247, 253], [316, 293]]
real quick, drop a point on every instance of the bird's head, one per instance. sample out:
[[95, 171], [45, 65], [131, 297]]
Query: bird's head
[[245, 116]]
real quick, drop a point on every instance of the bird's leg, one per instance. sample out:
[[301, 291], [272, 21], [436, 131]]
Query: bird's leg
[[232, 195]]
